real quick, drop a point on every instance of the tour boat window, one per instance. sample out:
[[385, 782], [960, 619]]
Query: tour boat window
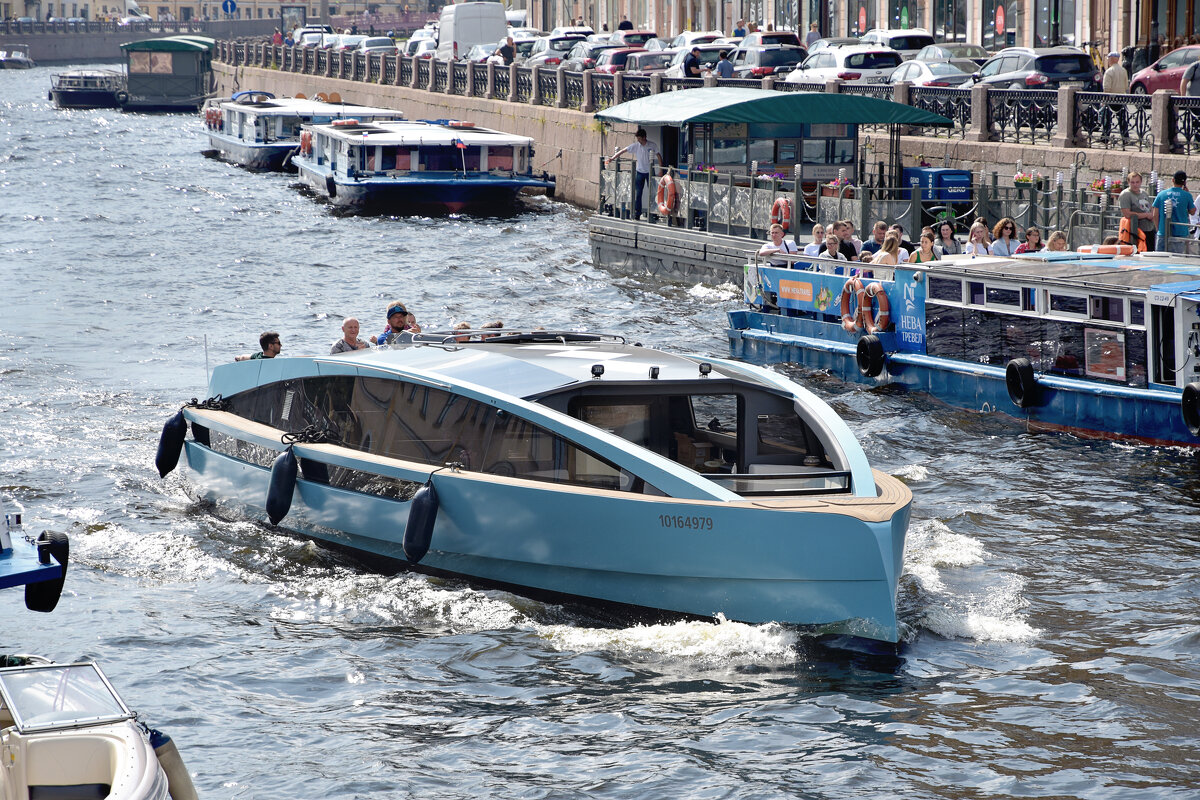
[[1028, 299], [1108, 308], [1104, 353], [1069, 304], [630, 421], [814, 151], [1003, 296], [762, 150], [449, 158], [729, 151], [500, 157], [842, 151], [975, 293], [788, 151], [945, 289], [1137, 312], [787, 434]]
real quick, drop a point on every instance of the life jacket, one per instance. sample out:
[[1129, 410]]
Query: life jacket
[[1129, 233]]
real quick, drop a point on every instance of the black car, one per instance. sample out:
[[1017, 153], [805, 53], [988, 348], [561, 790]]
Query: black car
[[583, 55], [1039, 68], [759, 62]]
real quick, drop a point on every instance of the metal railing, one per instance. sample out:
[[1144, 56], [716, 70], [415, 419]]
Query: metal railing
[[1099, 116], [953, 104], [634, 86], [548, 87], [1186, 134], [1017, 115], [458, 78], [441, 74], [524, 87]]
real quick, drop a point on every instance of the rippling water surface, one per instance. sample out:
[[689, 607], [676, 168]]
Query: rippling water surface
[[1050, 586]]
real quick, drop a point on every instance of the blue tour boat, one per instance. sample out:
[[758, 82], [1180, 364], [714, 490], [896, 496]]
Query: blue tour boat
[[256, 130], [427, 166], [563, 465], [1097, 345]]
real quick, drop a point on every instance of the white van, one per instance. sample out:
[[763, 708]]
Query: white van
[[464, 25]]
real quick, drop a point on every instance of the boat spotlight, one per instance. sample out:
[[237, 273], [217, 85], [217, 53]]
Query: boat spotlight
[[654, 373], [705, 368], [597, 370]]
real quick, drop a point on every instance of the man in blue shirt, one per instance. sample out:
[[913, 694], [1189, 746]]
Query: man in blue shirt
[[1182, 206], [724, 66], [740, 29]]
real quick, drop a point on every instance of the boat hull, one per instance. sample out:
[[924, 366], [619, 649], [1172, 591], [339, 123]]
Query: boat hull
[[1085, 408], [84, 98], [268, 157], [418, 194], [747, 561]]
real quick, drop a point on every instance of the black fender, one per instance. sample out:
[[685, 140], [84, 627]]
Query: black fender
[[283, 484], [1190, 406], [170, 444], [870, 356], [122, 97], [43, 595], [1023, 387], [330, 186], [422, 513]]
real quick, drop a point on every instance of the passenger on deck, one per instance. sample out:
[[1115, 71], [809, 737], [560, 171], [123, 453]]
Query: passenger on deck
[[925, 250], [778, 244], [945, 242], [1033, 241], [269, 342], [977, 242], [1057, 243], [397, 329], [905, 245], [349, 341], [818, 240], [1004, 241], [834, 245], [494, 324], [462, 326], [889, 254], [872, 245], [846, 233], [1182, 205]]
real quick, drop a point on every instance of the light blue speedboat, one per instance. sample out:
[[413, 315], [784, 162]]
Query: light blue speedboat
[[567, 465]]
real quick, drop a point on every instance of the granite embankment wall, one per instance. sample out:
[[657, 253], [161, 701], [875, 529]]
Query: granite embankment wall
[[101, 41], [577, 136]]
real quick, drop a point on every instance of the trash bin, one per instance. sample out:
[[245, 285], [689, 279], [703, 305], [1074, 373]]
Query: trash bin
[[941, 185]]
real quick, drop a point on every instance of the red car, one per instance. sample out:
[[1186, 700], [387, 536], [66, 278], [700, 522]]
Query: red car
[[1166, 72], [611, 61]]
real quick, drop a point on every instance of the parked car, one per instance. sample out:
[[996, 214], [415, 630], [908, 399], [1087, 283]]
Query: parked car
[[1166, 72], [833, 41], [350, 42], [949, 51], [759, 62], [906, 41], [690, 38], [657, 44], [524, 33], [523, 46], [549, 51], [480, 53], [377, 44], [859, 64], [615, 59], [584, 54], [317, 39], [760, 38], [632, 38], [461, 26], [1039, 68], [647, 62], [426, 48], [934, 73], [709, 55], [579, 31]]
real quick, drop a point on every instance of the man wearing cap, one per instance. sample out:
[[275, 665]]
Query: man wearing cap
[[397, 329], [642, 150], [1182, 206], [1116, 81]]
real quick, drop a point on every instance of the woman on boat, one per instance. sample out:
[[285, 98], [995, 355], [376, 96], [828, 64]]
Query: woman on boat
[[1033, 241], [818, 241], [977, 242], [925, 250], [1057, 243], [945, 243], [887, 253], [1003, 241]]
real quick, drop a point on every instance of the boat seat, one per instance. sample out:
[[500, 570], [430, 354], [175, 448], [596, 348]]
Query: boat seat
[[80, 791]]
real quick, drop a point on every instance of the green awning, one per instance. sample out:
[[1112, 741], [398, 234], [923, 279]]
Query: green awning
[[171, 43], [725, 104]]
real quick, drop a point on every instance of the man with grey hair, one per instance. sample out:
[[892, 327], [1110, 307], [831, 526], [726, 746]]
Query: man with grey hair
[[1116, 81], [349, 341]]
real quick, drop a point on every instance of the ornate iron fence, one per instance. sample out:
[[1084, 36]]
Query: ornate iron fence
[[1185, 135], [573, 90], [809, 86], [406, 68], [458, 74], [548, 86], [674, 84], [634, 86], [602, 90], [502, 83], [741, 83], [479, 87], [524, 84], [422, 66], [1099, 116], [880, 91], [1016, 115], [954, 104], [389, 68], [313, 59], [441, 74]]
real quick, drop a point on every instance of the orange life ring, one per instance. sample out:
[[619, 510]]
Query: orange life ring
[[457, 123], [667, 194], [853, 286], [866, 310], [781, 212], [306, 142], [1108, 249], [344, 123]]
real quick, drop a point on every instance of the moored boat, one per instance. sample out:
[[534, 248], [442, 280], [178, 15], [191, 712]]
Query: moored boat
[[86, 88], [563, 464], [1096, 344], [259, 131], [427, 166], [16, 57]]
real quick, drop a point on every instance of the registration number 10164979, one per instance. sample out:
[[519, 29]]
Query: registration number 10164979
[[685, 522]]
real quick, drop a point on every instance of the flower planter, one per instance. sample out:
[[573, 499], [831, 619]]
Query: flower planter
[[846, 192]]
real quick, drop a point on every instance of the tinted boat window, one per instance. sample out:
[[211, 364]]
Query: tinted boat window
[[945, 289], [520, 449], [1003, 297], [1137, 313], [1068, 304], [975, 293]]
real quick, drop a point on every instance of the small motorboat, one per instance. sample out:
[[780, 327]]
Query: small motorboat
[[16, 57], [64, 730], [422, 167], [565, 465], [86, 88]]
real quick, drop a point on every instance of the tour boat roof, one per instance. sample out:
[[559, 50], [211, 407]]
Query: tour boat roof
[[420, 132], [1085, 271], [295, 106]]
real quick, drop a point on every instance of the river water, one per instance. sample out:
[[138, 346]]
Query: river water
[[1050, 586]]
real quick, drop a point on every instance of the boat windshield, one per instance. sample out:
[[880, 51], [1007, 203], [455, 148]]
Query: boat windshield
[[53, 696]]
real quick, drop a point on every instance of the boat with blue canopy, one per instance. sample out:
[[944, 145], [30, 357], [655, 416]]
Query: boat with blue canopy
[[1099, 345], [564, 465], [425, 166], [259, 131]]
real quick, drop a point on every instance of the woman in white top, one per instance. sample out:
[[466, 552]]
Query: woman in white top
[[887, 254], [814, 247], [1003, 241], [977, 242], [778, 244]]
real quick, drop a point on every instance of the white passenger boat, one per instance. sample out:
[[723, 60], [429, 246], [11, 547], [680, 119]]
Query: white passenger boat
[[566, 465], [16, 57], [260, 131], [428, 166], [65, 733]]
